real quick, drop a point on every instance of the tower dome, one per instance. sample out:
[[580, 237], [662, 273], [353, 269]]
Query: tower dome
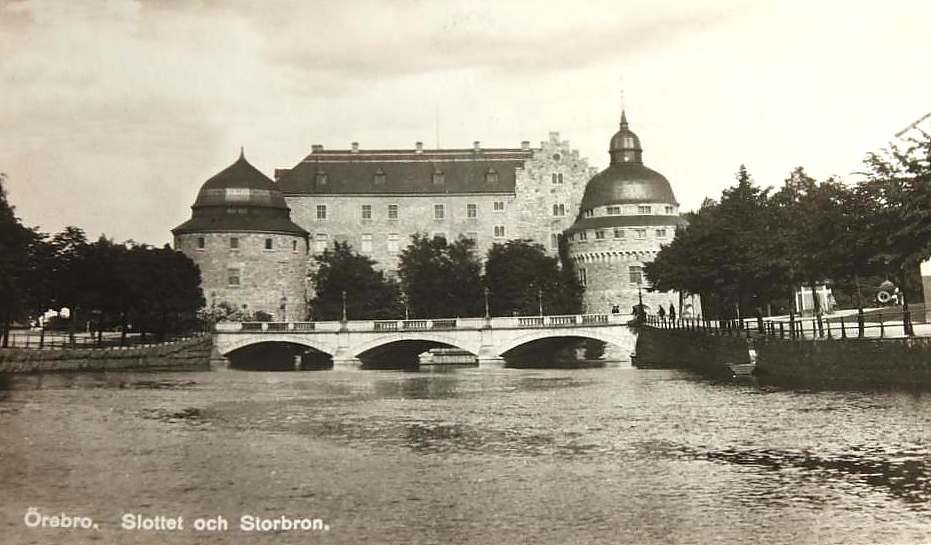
[[240, 198], [626, 180]]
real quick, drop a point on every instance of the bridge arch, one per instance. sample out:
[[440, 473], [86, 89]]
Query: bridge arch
[[597, 334], [423, 336], [242, 341]]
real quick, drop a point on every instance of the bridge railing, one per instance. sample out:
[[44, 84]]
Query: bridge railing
[[439, 324]]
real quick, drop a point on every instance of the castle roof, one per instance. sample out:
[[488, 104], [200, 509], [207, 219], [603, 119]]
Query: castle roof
[[240, 198], [626, 180], [355, 171]]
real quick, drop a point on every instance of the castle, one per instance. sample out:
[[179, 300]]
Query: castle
[[253, 238]]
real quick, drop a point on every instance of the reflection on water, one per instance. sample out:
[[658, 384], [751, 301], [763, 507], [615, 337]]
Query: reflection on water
[[467, 455]]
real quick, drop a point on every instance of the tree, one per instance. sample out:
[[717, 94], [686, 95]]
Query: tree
[[441, 280], [18, 250], [727, 251], [369, 294], [897, 187], [518, 273]]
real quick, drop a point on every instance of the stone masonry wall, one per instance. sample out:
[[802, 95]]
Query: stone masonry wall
[[705, 352], [904, 362], [537, 193], [268, 279], [416, 214], [187, 354]]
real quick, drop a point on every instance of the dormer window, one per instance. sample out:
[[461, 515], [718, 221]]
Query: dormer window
[[320, 178], [590, 213], [438, 177], [491, 177], [380, 177]]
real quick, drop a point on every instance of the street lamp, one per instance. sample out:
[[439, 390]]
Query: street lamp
[[487, 314], [344, 306], [540, 300]]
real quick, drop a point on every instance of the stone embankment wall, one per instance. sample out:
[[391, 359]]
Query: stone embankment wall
[[188, 353], [902, 362], [701, 351]]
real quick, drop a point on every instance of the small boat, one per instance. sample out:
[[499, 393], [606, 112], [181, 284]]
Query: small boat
[[744, 369]]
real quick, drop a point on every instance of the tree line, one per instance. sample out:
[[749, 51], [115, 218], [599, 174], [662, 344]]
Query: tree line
[[105, 285], [754, 247], [437, 278]]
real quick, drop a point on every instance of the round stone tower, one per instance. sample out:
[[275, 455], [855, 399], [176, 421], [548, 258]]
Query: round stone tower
[[252, 257], [628, 211]]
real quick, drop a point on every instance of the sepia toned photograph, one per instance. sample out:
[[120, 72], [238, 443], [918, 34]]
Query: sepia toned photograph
[[510, 272]]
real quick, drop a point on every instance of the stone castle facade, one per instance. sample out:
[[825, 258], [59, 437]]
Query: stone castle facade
[[254, 238]]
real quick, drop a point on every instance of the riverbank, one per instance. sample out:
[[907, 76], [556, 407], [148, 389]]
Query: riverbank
[[189, 353]]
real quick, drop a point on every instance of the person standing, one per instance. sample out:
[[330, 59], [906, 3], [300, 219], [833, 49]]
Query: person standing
[[672, 313]]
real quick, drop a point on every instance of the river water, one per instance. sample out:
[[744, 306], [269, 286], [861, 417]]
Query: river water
[[463, 455]]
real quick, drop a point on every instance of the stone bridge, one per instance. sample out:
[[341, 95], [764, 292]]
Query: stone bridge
[[488, 339]]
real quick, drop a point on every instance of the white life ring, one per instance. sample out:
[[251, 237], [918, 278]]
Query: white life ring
[[883, 296]]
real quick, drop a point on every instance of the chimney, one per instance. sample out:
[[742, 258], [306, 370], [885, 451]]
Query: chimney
[[554, 137], [418, 147], [355, 147], [477, 146], [316, 148], [525, 145]]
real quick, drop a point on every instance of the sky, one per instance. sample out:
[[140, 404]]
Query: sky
[[114, 112]]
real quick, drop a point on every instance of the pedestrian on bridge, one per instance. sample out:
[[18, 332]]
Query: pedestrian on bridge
[[672, 313], [662, 314]]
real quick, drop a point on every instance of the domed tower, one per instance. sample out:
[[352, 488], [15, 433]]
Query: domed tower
[[628, 211], [251, 255]]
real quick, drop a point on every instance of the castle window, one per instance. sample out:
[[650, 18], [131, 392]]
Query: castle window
[[294, 246], [562, 210], [320, 242], [438, 177], [590, 213], [555, 210], [232, 277], [234, 243], [554, 240], [491, 177], [614, 210], [471, 211], [670, 209], [380, 177], [644, 209], [320, 178], [321, 211], [641, 233], [201, 243], [366, 244], [393, 243], [366, 211], [583, 236], [583, 280], [618, 232], [661, 233], [392, 211], [554, 178], [439, 211], [269, 244], [499, 206], [600, 234], [636, 274], [559, 178], [499, 231]]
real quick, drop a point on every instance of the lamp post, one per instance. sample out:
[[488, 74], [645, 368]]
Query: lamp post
[[487, 313], [344, 306], [641, 314], [540, 300]]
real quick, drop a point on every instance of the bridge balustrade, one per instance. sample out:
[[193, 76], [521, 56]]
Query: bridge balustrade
[[530, 321], [594, 318], [386, 326]]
